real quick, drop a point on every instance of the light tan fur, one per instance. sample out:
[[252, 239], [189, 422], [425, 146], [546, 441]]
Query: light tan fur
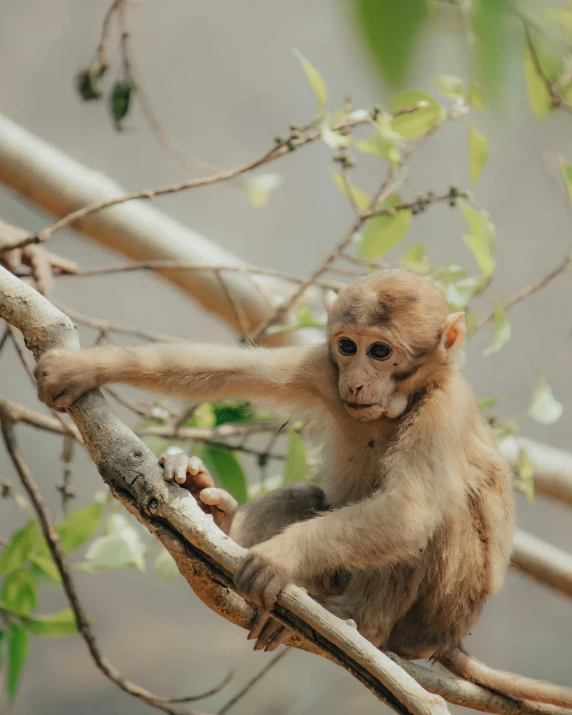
[[413, 530]]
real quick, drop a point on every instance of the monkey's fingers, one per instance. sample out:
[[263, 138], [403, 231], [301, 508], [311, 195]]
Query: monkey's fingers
[[256, 579], [222, 505], [189, 472], [272, 635]]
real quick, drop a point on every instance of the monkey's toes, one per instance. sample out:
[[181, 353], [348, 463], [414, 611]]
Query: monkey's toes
[[268, 632]]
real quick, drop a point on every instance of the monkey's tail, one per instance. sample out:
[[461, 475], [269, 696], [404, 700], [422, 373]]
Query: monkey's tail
[[514, 686]]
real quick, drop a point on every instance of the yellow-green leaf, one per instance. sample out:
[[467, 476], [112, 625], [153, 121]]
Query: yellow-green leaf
[[478, 152], [20, 546], [544, 407], [421, 119], [296, 466], [361, 199], [314, 77], [450, 85], [260, 188], [525, 470], [18, 647], [536, 90], [79, 526], [19, 594], [481, 254], [476, 98], [501, 332], [43, 566], [482, 239], [415, 258], [566, 169], [487, 403], [61, 623], [382, 233]]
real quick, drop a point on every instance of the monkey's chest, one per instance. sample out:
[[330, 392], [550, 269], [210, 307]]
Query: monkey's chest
[[353, 476]]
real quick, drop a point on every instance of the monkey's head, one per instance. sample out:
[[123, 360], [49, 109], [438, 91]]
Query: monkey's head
[[390, 333]]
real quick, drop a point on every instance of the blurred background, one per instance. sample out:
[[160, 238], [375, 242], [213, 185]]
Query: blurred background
[[224, 79]]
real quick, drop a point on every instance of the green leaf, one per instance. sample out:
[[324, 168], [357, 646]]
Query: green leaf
[[203, 416], [487, 403], [490, 25], [525, 470], [361, 199], [419, 121], [537, 92], [478, 152], [415, 258], [18, 647], [382, 233], [165, 566], [566, 169], [450, 86], [482, 240], [314, 77], [476, 98], [87, 81], [61, 623], [390, 30], [19, 548], [296, 466], [544, 407], [43, 566], [119, 549], [459, 294], [233, 412], [120, 101], [79, 526], [502, 331], [259, 189], [2, 647], [19, 594], [225, 466]]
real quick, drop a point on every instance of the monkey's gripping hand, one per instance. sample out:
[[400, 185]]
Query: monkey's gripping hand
[[191, 474], [63, 376]]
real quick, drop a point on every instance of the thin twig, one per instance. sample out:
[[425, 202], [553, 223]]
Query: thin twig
[[52, 539], [529, 290], [252, 682]]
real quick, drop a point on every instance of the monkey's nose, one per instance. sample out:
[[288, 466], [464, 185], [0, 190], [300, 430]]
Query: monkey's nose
[[355, 389]]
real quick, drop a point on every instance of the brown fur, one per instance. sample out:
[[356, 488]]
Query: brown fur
[[413, 530]]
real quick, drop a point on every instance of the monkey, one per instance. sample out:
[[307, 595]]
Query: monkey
[[412, 530]]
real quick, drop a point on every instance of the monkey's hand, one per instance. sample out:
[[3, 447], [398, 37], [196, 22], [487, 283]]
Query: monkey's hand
[[191, 473], [63, 376]]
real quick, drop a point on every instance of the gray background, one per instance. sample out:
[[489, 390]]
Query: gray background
[[223, 76]]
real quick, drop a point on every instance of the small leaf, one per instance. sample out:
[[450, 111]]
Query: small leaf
[[415, 258], [233, 412], [87, 81], [18, 647], [419, 121], [478, 152], [482, 240], [450, 86], [481, 254], [19, 594], [537, 92], [487, 403], [544, 407], [382, 233], [476, 98], [502, 331], [390, 30], [314, 77], [119, 549], [361, 199], [203, 416], [260, 188], [525, 470], [19, 548], [165, 566], [79, 526], [566, 169], [491, 29], [44, 567], [296, 467], [61, 623], [224, 465], [120, 101]]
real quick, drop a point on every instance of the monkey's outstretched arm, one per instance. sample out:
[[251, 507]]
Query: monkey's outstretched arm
[[286, 376]]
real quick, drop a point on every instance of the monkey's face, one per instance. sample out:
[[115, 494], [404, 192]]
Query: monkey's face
[[367, 363]]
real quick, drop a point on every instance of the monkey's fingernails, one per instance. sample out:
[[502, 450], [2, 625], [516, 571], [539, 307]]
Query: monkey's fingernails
[[180, 474], [195, 465], [257, 626]]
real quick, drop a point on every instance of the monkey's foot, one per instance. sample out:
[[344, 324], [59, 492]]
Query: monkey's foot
[[268, 632], [191, 474]]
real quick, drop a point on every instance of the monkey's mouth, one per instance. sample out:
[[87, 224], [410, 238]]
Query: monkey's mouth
[[358, 406]]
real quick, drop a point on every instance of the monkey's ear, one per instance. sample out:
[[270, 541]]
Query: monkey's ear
[[453, 333], [330, 299]]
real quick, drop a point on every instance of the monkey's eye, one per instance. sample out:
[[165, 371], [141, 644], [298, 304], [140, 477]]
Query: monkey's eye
[[347, 346], [379, 351]]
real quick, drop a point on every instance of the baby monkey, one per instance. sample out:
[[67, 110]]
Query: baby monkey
[[412, 531]]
